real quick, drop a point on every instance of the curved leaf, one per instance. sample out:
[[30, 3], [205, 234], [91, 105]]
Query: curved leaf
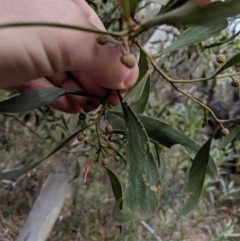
[[196, 177], [139, 105], [195, 34], [137, 91], [35, 99], [128, 7], [119, 215], [233, 132], [116, 186], [192, 13]]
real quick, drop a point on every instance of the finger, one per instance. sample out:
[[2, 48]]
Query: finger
[[89, 84], [105, 66], [82, 101]]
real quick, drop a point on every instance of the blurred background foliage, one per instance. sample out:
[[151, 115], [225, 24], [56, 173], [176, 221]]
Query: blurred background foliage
[[86, 214]]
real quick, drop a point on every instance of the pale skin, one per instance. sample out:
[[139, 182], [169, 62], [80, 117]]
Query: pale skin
[[40, 57]]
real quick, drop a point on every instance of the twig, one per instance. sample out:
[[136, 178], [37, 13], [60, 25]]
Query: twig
[[150, 230]]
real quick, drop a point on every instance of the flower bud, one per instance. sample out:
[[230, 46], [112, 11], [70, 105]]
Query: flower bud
[[104, 161], [117, 158], [80, 137], [225, 132], [111, 145], [108, 128], [128, 60], [221, 58], [235, 83]]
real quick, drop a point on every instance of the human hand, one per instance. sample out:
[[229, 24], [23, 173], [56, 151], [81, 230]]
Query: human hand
[[40, 57]]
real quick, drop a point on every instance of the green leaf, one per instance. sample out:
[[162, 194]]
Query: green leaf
[[108, 15], [119, 215], [140, 105], [233, 132], [236, 121], [35, 98], [162, 2], [143, 181], [161, 161], [234, 60], [195, 34], [128, 7], [215, 44], [19, 172], [134, 93], [196, 177], [116, 186], [166, 136], [192, 13], [171, 5]]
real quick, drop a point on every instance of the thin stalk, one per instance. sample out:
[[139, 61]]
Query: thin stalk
[[60, 25], [169, 79]]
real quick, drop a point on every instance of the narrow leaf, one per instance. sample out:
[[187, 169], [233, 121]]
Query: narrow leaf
[[196, 177], [194, 14], [108, 15], [116, 186], [233, 132], [140, 105], [195, 34], [19, 172], [134, 93], [162, 2], [125, 7], [35, 99], [234, 60]]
